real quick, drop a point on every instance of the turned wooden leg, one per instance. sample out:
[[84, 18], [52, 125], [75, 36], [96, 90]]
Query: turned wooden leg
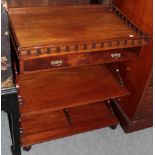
[[27, 148], [113, 127]]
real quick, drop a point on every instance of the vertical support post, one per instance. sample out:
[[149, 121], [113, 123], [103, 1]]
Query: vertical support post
[[15, 133], [10, 106]]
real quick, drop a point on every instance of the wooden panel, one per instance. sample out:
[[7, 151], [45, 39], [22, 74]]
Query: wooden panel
[[37, 3], [135, 11], [50, 62], [84, 118], [113, 56], [63, 2], [145, 108], [127, 124], [67, 2], [18, 3], [49, 91], [78, 59], [139, 124], [81, 2], [43, 28], [135, 73]]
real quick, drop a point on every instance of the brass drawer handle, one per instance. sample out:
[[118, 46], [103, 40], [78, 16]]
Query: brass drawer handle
[[56, 63], [116, 55]]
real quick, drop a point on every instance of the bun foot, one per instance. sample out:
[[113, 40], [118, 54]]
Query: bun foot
[[113, 127], [27, 148]]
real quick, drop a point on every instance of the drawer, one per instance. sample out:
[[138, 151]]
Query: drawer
[[51, 62], [113, 55], [79, 59], [52, 125]]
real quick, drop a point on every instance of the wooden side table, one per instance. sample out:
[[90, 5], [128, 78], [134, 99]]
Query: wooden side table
[[65, 55], [50, 59]]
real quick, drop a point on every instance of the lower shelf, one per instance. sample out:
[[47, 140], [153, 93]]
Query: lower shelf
[[53, 125], [54, 90]]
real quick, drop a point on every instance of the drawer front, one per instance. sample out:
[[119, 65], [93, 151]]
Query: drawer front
[[79, 59], [55, 62], [112, 56]]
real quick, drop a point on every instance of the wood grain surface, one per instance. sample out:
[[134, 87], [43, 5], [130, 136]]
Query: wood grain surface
[[52, 90], [138, 75], [72, 36], [31, 64], [42, 127], [37, 3], [69, 25]]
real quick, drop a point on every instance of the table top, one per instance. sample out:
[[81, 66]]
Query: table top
[[39, 27]]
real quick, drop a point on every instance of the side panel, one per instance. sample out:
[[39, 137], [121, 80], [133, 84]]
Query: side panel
[[136, 73]]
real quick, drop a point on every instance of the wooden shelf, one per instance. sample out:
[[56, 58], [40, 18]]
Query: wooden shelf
[[52, 125], [63, 88], [53, 29]]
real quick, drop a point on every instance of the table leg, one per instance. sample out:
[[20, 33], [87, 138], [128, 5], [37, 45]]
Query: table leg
[[15, 134], [10, 105]]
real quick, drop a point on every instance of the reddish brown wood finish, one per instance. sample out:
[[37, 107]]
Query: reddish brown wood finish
[[137, 73], [52, 90], [37, 3], [46, 37], [56, 31], [127, 124], [107, 56], [68, 2], [78, 59], [42, 63], [137, 125], [52, 125], [145, 108], [74, 36], [18, 3]]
